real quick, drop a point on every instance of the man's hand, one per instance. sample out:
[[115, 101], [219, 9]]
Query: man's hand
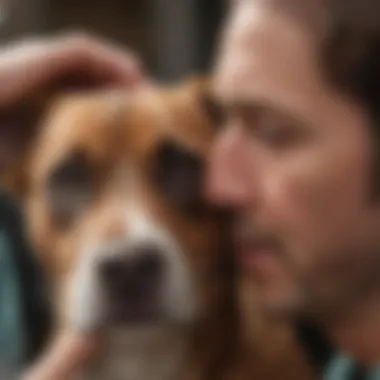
[[32, 66], [68, 353]]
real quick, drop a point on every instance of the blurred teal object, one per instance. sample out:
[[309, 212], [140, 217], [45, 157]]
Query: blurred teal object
[[342, 367], [11, 325], [24, 306]]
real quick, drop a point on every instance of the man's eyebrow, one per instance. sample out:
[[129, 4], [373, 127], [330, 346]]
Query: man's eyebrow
[[250, 109], [245, 106]]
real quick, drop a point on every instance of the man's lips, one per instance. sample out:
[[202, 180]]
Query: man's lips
[[256, 255]]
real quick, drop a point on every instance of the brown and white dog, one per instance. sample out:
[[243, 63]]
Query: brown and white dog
[[111, 185]]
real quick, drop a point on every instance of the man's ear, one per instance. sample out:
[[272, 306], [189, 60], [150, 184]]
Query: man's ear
[[19, 127]]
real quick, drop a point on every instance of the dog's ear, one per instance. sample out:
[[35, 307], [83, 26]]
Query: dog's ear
[[21, 124], [19, 127], [202, 89], [211, 107]]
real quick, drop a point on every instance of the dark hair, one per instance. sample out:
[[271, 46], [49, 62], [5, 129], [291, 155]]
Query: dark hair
[[347, 35], [350, 58], [350, 51]]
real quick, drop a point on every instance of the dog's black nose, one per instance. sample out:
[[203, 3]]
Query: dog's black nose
[[133, 274]]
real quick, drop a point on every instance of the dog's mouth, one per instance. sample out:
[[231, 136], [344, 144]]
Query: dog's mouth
[[135, 306], [133, 286], [144, 310]]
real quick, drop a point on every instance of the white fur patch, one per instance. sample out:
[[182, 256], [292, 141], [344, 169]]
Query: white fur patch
[[141, 355]]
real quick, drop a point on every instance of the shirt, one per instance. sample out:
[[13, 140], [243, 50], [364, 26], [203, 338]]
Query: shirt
[[341, 367]]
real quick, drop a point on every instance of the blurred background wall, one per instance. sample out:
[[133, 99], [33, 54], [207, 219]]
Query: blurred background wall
[[174, 37]]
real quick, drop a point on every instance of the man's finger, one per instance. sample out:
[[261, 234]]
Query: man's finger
[[103, 59], [36, 65], [68, 354]]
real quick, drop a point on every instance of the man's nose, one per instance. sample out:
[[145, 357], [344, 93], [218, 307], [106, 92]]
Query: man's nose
[[225, 183]]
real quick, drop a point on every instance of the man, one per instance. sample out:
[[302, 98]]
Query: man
[[298, 159]]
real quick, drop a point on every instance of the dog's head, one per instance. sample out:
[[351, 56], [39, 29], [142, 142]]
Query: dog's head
[[111, 185]]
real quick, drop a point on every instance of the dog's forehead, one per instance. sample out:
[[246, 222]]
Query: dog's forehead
[[92, 120], [122, 123], [177, 114]]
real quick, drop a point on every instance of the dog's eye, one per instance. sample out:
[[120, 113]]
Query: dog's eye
[[179, 174], [212, 109], [70, 187]]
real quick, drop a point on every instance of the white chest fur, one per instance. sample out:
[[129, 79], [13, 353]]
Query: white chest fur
[[156, 354]]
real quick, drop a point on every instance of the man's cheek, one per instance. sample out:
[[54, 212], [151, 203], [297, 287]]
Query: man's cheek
[[297, 211], [288, 200]]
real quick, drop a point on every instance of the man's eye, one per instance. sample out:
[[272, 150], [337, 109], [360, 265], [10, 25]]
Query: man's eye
[[277, 136], [275, 128], [278, 131]]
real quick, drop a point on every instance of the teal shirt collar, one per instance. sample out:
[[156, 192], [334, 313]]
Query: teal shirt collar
[[342, 367]]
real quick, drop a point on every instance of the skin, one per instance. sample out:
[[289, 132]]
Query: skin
[[31, 66], [65, 356], [292, 159], [38, 66]]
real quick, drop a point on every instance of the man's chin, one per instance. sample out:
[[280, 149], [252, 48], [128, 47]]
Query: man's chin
[[276, 303]]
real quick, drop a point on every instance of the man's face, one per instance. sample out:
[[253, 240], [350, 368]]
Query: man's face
[[293, 159]]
